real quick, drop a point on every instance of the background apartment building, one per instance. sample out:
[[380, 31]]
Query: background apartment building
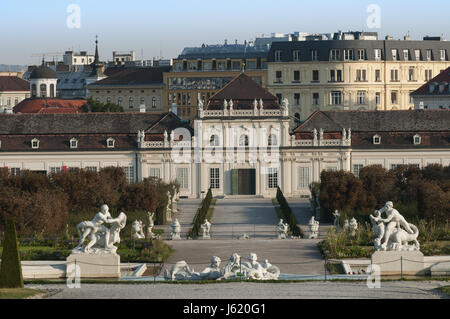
[[355, 74], [205, 70]]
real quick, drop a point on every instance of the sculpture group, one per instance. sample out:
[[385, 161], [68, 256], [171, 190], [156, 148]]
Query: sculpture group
[[234, 269], [393, 232], [282, 230], [101, 238]]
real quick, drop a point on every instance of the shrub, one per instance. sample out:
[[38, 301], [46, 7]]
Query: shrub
[[11, 267]]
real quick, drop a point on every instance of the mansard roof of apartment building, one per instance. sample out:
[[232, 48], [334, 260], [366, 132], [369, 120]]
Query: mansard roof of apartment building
[[243, 90], [49, 106], [91, 130], [134, 76], [439, 85], [395, 128], [13, 84], [304, 50]]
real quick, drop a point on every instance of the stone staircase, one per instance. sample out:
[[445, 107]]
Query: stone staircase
[[187, 208]]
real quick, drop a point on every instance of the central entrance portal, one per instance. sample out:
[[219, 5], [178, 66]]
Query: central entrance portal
[[243, 181]]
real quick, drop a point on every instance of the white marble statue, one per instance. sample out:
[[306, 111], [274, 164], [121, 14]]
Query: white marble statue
[[261, 104], [206, 228], [313, 226], [315, 133], [282, 230], [285, 103], [176, 230], [336, 219], [253, 269], [101, 238], [200, 102], [244, 237], [255, 105], [151, 224], [321, 134], [168, 208], [393, 232], [225, 104], [346, 225], [231, 104], [138, 230], [353, 226], [233, 269]]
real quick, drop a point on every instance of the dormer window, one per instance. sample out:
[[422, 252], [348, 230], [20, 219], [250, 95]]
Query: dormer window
[[110, 142], [377, 140], [73, 143], [35, 143], [417, 139]]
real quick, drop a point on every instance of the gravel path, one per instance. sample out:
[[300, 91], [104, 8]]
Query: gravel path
[[307, 290]]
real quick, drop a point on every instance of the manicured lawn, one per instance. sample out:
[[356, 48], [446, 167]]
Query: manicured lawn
[[18, 293]]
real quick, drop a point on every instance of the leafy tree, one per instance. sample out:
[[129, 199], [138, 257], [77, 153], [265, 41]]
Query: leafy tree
[[378, 185], [97, 107], [11, 268]]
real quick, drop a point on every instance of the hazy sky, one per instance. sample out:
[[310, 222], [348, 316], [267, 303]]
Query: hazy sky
[[32, 27]]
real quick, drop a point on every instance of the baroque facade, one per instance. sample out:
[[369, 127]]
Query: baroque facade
[[240, 144]]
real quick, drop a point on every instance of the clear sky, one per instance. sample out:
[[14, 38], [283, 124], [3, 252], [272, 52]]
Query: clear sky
[[167, 26]]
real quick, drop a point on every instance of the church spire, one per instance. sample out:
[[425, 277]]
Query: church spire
[[97, 65]]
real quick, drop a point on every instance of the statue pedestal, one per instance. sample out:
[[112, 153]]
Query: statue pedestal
[[397, 262], [96, 265]]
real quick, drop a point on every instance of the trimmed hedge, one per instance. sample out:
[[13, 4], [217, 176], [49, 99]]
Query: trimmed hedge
[[11, 267], [289, 216], [200, 216]]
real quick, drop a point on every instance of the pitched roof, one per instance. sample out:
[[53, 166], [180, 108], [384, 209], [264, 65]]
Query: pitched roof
[[13, 84], [40, 105], [243, 90], [135, 76], [377, 121], [432, 87], [88, 123]]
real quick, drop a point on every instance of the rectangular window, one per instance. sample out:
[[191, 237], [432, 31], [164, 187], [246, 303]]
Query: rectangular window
[[251, 65], [214, 178], [303, 177], [335, 55], [417, 55], [278, 77], [394, 97], [280, 97], [336, 98], [332, 76], [377, 75], [348, 54], [428, 75], [273, 177], [394, 75], [357, 168], [315, 99], [278, 55], [442, 55], [361, 54], [297, 99], [314, 55], [14, 171], [406, 55], [377, 54], [296, 76], [361, 75], [378, 98], [236, 65], [339, 75], [315, 76], [361, 97], [183, 177], [411, 74], [129, 173], [155, 172], [429, 55], [296, 55], [394, 55]]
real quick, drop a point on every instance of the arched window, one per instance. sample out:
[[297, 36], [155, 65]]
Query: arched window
[[52, 90], [214, 140], [33, 90], [273, 140], [154, 102], [120, 101], [243, 140], [131, 102], [43, 89]]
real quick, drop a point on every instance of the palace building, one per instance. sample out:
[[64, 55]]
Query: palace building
[[240, 144]]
